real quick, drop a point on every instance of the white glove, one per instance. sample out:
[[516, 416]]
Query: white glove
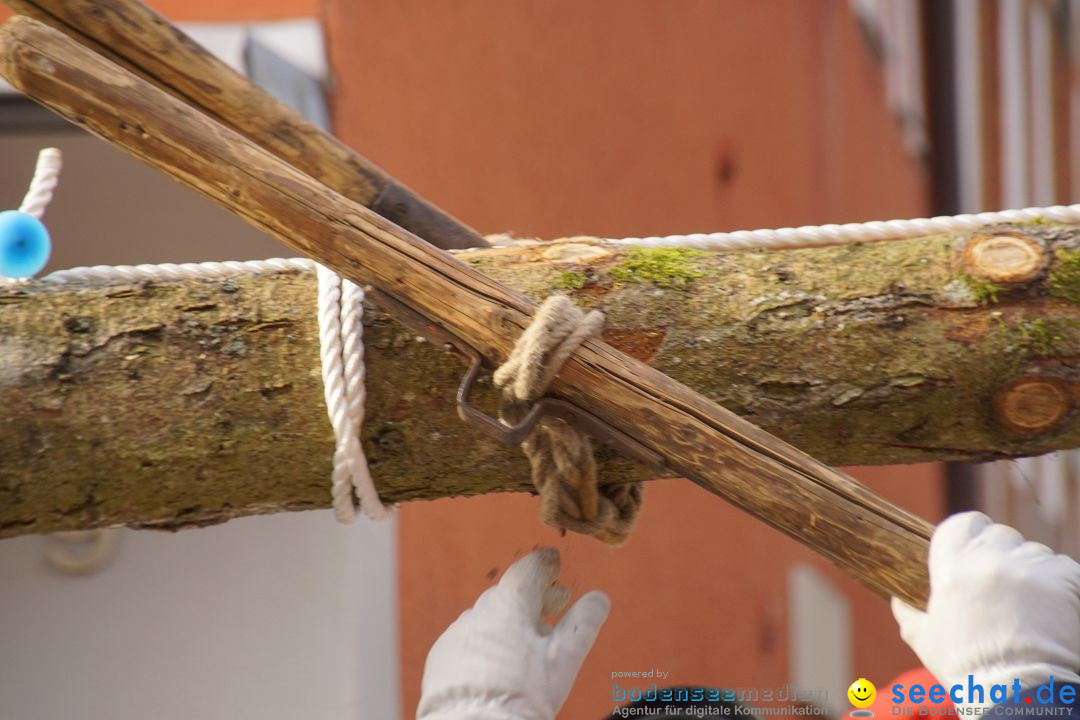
[[1000, 609], [498, 661]]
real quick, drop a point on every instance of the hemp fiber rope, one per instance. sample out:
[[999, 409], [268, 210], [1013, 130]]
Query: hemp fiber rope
[[563, 468]]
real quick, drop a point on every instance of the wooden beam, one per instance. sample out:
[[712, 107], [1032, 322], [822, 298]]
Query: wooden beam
[[132, 35], [876, 542]]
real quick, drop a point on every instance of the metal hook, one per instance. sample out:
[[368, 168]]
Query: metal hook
[[547, 407], [544, 408]]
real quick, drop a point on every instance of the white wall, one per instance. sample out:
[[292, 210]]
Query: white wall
[[819, 636], [277, 618], [287, 616]]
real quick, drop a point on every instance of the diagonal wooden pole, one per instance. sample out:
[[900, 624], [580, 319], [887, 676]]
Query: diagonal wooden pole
[[879, 544], [132, 35]]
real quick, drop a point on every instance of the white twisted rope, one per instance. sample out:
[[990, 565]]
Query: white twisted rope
[[42, 185], [340, 310], [173, 271], [342, 350], [818, 235]]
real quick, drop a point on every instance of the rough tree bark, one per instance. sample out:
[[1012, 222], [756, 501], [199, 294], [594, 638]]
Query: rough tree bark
[[178, 404]]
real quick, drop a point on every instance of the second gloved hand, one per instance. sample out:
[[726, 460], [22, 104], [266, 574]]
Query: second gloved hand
[[1000, 609], [499, 661]]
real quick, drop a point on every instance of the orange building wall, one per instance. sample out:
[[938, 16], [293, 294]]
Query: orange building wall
[[227, 10], [624, 117], [236, 10]]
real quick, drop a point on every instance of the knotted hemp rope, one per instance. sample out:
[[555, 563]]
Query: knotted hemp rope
[[563, 468]]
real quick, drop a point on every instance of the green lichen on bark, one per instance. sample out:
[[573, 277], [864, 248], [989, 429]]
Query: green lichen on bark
[[1063, 281], [984, 291], [666, 267], [1041, 336], [572, 280]]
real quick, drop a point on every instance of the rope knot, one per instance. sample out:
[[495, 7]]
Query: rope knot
[[563, 468]]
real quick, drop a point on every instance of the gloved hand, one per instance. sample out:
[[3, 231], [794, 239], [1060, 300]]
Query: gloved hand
[[1000, 608], [498, 661]]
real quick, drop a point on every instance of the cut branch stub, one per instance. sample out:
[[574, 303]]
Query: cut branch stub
[[1032, 405], [1009, 258]]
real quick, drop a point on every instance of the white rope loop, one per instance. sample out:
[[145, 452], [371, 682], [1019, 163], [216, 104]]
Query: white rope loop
[[341, 348], [340, 337], [355, 375], [42, 185]]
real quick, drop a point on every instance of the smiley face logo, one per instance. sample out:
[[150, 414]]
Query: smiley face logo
[[862, 693]]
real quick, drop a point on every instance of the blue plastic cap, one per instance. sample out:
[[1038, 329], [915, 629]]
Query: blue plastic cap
[[24, 245]]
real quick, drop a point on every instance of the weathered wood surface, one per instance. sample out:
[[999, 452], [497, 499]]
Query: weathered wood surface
[[879, 544], [133, 35]]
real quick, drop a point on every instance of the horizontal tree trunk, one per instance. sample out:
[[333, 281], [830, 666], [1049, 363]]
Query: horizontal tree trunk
[[177, 404]]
